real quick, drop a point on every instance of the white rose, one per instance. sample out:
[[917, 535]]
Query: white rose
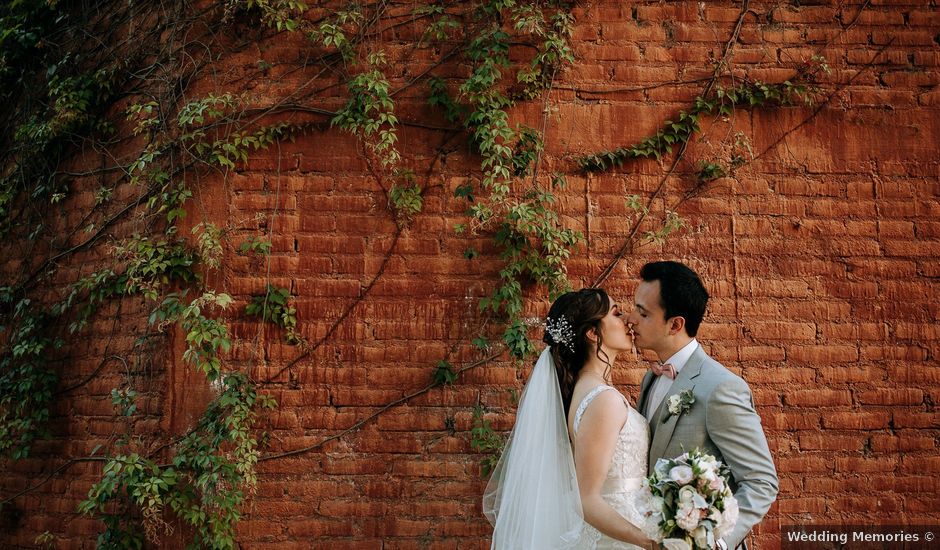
[[687, 517], [651, 526], [715, 515], [700, 535], [657, 505], [673, 404], [708, 462], [687, 495], [676, 544], [728, 518], [681, 474]]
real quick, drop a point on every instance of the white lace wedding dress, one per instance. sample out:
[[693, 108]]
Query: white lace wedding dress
[[625, 476]]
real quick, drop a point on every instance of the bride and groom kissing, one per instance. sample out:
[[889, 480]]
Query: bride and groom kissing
[[572, 472]]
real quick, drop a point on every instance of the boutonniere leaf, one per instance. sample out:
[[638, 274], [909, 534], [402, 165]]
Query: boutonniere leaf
[[679, 404]]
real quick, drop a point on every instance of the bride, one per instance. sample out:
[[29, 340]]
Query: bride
[[578, 449]]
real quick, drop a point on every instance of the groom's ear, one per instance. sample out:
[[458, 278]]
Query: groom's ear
[[676, 325]]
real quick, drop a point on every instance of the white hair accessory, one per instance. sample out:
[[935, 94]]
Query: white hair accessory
[[560, 331]]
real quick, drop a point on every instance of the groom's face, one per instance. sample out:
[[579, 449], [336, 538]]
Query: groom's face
[[648, 319]]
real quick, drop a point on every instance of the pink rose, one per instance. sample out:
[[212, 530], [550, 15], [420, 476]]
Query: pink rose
[[687, 518]]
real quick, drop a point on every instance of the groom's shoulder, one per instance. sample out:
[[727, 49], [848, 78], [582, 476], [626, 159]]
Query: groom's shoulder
[[719, 373]]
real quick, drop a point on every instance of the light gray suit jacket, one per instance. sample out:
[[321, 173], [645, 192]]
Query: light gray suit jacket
[[721, 422]]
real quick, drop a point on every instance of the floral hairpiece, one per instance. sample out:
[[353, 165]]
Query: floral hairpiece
[[560, 331]]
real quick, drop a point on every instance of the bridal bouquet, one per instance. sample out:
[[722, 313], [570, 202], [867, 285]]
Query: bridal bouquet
[[686, 502]]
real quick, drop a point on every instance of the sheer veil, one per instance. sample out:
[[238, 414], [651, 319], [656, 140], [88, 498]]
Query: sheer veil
[[532, 498]]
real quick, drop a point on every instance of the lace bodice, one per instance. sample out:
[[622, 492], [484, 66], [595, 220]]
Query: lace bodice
[[626, 473]]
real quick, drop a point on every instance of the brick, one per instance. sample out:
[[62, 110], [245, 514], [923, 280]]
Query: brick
[[865, 465], [895, 353], [822, 355], [319, 528], [851, 373], [856, 420], [918, 465], [818, 398], [803, 505], [922, 504], [792, 421], [880, 504], [780, 375], [804, 464], [915, 374], [777, 330], [908, 248], [904, 419], [354, 508], [919, 18], [891, 397], [827, 442], [761, 353]]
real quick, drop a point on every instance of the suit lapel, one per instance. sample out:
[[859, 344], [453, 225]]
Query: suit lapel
[[645, 391], [662, 431]]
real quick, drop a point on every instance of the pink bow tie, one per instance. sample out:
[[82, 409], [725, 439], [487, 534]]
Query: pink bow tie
[[667, 369]]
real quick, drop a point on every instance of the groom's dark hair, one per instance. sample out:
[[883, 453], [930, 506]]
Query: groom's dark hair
[[681, 292]]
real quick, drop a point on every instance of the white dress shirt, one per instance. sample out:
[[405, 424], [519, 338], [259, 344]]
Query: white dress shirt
[[662, 384]]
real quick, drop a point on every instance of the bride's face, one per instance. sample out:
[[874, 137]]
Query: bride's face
[[614, 330]]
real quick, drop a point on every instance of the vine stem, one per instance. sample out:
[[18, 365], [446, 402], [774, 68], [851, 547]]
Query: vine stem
[[50, 475], [822, 105], [628, 244], [828, 99], [355, 427]]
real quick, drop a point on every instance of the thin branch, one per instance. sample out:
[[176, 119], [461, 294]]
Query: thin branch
[[355, 427], [50, 475], [628, 243], [828, 99]]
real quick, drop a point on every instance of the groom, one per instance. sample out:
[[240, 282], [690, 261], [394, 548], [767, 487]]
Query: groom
[[670, 304]]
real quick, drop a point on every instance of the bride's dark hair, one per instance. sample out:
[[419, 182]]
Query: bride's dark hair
[[571, 316]]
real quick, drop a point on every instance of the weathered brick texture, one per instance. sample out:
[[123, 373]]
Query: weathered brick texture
[[821, 254]]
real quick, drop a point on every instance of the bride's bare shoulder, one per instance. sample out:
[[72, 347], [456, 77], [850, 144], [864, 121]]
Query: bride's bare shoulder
[[604, 407]]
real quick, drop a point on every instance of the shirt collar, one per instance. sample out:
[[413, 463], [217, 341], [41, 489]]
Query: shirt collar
[[681, 357]]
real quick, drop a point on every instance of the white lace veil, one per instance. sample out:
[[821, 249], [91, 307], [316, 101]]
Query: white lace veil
[[532, 498]]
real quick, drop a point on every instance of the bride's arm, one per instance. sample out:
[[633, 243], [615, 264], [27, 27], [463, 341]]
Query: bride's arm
[[593, 450]]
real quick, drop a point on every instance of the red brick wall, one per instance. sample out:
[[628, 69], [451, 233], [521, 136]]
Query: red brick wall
[[820, 254]]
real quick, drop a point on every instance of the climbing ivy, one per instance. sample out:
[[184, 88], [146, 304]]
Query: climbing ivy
[[274, 307], [205, 484], [801, 90], [59, 97]]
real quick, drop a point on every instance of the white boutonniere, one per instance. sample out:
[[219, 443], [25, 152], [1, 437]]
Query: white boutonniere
[[679, 404]]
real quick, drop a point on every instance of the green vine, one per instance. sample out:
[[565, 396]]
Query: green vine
[[527, 231], [406, 199], [720, 102], [485, 440], [205, 484], [370, 111], [274, 307], [26, 380]]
